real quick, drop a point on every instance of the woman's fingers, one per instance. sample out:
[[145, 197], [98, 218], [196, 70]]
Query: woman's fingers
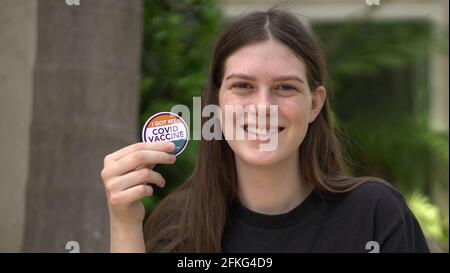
[[144, 157], [131, 195], [138, 177], [137, 159], [155, 146]]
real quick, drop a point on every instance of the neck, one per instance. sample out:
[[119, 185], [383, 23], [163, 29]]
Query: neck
[[274, 189]]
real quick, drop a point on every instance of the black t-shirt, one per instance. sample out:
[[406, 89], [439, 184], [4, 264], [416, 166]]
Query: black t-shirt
[[329, 223]]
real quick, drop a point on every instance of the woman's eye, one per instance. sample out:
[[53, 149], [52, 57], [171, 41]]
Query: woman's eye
[[285, 87], [242, 85]]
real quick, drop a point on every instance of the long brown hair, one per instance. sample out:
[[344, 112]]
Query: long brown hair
[[193, 217]]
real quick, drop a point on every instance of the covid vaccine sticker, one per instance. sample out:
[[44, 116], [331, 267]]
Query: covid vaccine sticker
[[166, 126]]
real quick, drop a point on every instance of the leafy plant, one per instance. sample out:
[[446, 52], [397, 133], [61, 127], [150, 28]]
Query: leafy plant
[[433, 223]]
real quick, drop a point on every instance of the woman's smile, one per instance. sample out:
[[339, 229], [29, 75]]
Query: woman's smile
[[261, 132]]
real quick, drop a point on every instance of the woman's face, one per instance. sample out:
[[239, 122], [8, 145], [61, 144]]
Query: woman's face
[[261, 75]]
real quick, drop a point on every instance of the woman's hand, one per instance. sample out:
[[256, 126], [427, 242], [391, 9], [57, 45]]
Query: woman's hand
[[126, 175]]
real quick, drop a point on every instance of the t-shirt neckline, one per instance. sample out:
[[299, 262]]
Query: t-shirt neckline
[[292, 217]]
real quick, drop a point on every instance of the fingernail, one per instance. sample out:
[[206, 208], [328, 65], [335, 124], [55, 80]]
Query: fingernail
[[170, 145]]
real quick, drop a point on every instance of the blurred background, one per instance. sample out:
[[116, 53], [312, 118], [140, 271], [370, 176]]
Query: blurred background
[[78, 79]]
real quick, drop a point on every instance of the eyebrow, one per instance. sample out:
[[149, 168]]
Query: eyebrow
[[280, 78]]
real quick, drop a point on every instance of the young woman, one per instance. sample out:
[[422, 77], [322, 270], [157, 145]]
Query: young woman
[[296, 198]]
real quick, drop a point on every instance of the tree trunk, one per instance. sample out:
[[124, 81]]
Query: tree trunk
[[85, 105]]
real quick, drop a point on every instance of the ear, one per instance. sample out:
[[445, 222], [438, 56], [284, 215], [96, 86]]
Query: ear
[[318, 99]]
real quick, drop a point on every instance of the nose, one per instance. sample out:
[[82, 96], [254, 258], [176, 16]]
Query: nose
[[263, 97], [263, 101]]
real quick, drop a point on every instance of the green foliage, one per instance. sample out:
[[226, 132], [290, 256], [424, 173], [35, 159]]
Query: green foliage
[[177, 44], [433, 223], [376, 65], [410, 156], [363, 47]]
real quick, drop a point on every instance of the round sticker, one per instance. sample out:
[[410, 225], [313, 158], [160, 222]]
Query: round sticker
[[166, 126]]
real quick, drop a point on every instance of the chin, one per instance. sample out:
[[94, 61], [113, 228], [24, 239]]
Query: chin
[[254, 156]]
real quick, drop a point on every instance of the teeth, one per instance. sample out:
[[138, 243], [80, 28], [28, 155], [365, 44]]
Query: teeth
[[262, 131]]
